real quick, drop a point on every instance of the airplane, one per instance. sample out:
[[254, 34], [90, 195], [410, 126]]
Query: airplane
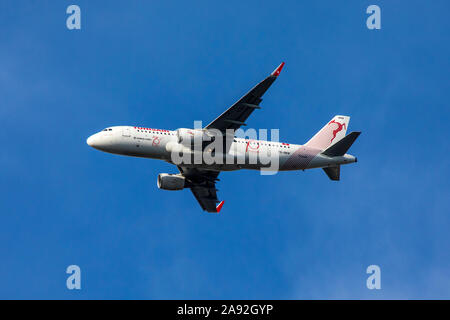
[[326, 149]]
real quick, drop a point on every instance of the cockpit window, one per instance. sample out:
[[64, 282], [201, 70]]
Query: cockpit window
[[107, 129]]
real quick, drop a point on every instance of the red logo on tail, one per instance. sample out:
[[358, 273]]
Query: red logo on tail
[[339, 128]]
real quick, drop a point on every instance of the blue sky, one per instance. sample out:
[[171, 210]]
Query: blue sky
[[165, 64]]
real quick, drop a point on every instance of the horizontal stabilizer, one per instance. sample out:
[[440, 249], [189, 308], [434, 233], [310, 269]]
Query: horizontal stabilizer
[[341, 147], [334, 173]]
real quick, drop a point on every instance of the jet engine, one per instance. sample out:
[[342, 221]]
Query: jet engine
[[188, 136], [171, 181]]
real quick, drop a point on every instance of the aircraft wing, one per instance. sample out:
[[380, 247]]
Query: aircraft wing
[[235, 116], [203, 186]]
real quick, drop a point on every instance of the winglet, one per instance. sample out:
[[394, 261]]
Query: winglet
[[220, 205], [277, 71]]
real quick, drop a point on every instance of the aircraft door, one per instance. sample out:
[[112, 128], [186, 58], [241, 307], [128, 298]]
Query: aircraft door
[[126, 132]]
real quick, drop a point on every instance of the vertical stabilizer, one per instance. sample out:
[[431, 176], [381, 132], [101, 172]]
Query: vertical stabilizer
[[331, 133]]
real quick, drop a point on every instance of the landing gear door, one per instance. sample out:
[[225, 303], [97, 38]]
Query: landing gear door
[[126, 132]]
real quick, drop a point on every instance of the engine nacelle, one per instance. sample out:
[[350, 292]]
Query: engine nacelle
[[188, 136], [171, 181]]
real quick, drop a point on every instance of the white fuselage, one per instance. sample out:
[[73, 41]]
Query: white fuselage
[[162, 144]]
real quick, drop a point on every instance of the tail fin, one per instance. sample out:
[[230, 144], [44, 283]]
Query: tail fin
[[331, 133], [342, 146]]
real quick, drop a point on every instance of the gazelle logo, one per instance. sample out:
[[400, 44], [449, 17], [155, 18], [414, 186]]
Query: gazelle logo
[[252, 146], [156, 140], [339, 128]]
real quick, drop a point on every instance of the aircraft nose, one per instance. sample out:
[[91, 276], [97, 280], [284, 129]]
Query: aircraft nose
[[91, 141]]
